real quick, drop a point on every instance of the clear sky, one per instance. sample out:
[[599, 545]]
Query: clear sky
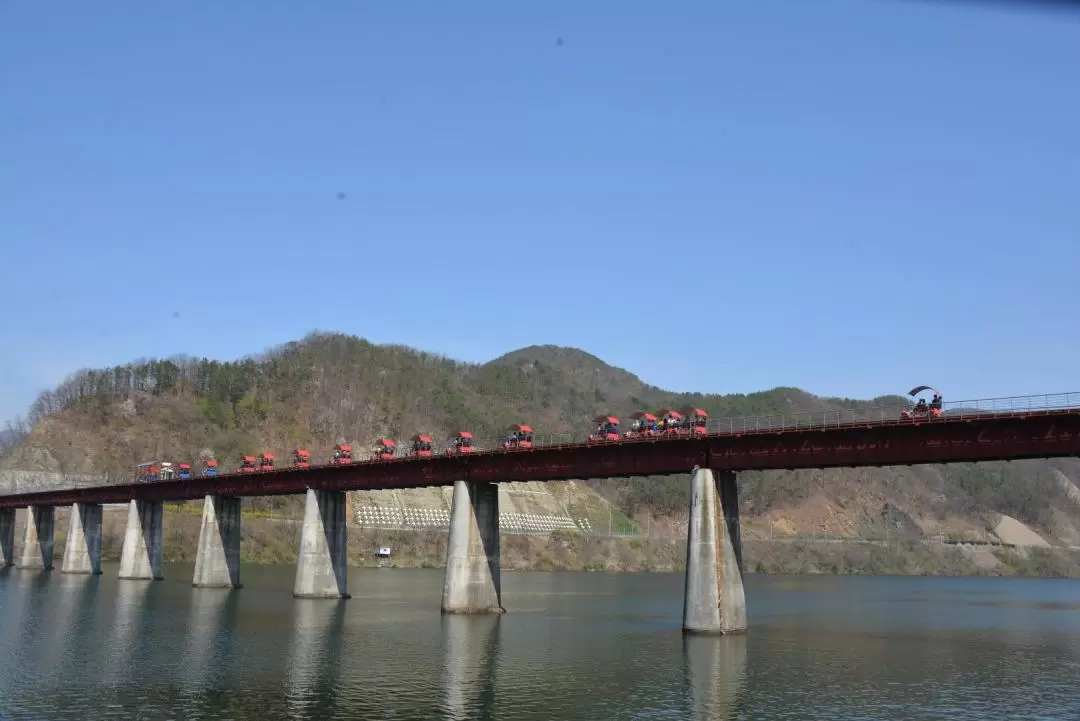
[[851, 196]]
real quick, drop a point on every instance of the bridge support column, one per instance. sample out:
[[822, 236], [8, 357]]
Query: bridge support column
[[217, 564], [82, 554], [140, 559], [322, 566], [473, 582], [715, 601], [7, 537], [37, 551]]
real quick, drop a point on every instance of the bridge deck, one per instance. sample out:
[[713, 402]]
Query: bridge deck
[[968, 432]]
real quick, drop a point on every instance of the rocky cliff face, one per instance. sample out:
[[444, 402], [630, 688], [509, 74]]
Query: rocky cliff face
[[14, 482]]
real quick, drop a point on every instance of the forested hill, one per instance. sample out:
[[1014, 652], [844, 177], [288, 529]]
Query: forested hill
[[330, 387]]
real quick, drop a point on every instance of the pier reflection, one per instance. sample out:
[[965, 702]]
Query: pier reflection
[[125, 637], [208, 658], [19, 628], [472, 653], [73, 616], [314, 660], [716, 675]]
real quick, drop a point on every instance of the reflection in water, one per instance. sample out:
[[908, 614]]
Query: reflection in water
[[208, 653], [131, 601], [17, 585], [19, 624], [73, 618], [314, 658], [605, 646], [472, 653], [716, 673]]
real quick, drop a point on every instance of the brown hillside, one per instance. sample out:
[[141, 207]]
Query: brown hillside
[[330, 387]]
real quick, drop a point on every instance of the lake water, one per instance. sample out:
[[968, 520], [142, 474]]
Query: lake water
[[573, 646]]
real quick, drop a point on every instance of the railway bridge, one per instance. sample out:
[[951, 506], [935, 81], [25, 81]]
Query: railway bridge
[[999, 429]]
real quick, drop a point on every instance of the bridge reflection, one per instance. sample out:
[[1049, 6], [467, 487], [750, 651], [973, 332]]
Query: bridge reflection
[[130, 629], [74, 617], [315, 659], [472, 655], [22, 619], [209, 648], [715, 674]]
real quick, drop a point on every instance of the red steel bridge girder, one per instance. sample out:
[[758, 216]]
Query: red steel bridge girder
[[997, 438], [1004, 438]]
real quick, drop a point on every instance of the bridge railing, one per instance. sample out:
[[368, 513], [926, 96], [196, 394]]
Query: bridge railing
[[895, 415], [875, 416], [62, 484], [539, 440]]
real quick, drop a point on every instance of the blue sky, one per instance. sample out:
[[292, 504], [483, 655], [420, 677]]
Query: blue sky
[[851, 196]]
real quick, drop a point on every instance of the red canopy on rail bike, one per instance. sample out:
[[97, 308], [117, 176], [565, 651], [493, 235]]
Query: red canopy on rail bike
[[148, 472], [923, 410], [644, 425], [301, 458], [421, 446], [519, 438], [248, 464], [266, 461], [210, 467], [670, 421], [462, 443], [695, 420], [384, 449], [607, 430], [342, 455]]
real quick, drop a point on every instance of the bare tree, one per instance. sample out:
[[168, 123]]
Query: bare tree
[[13, 433]]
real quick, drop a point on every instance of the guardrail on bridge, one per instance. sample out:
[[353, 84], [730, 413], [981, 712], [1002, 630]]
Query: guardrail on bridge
[[955, 411]]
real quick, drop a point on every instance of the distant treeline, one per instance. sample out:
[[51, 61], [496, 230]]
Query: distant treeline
[[327, 387], [401, 389], [227, 382]]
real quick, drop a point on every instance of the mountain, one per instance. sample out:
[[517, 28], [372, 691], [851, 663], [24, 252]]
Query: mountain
[[329, 387]]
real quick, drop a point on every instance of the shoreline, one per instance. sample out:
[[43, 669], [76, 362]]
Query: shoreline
[[269, 541]]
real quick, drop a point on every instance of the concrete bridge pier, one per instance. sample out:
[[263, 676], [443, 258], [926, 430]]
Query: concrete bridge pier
[[473, 581], [715, 601], [82, 554], [321, 568], [217, 564], [7, 537], [140, 559], [37, 551]]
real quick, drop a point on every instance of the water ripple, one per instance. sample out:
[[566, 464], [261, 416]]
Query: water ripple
[[574, 646]]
